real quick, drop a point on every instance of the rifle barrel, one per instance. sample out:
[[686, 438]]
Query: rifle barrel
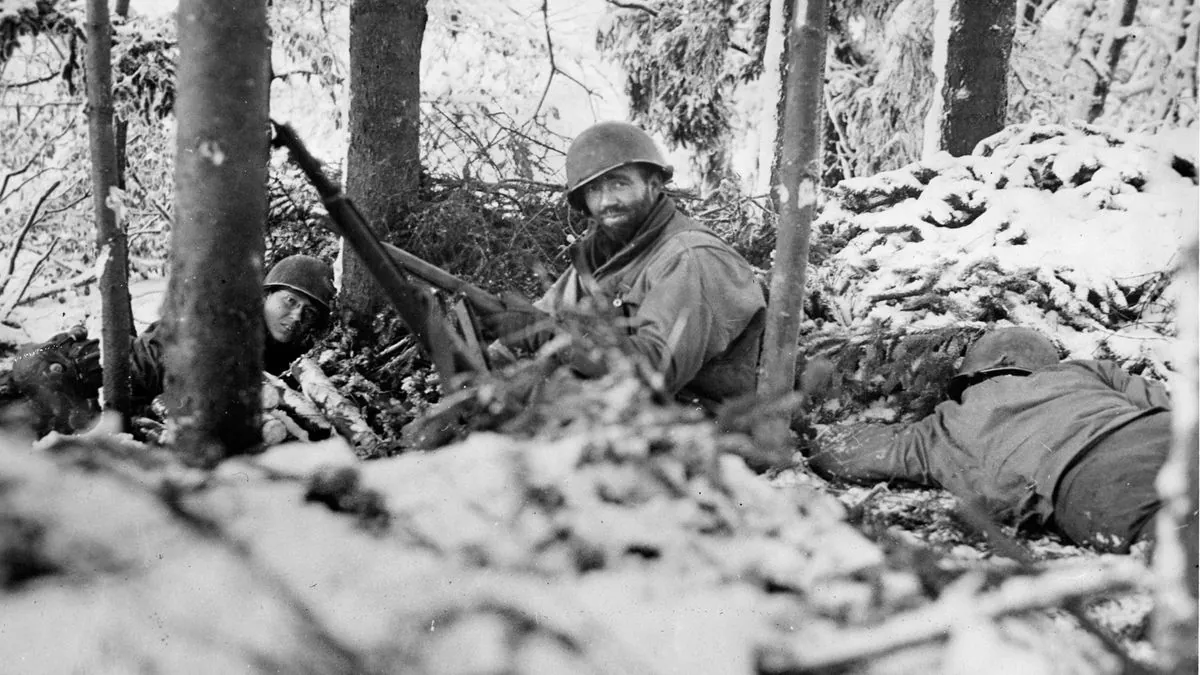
[[440, 278]]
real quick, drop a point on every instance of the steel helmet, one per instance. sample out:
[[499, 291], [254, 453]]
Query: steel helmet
[[304, 274], [1013, 350], [605, 146]]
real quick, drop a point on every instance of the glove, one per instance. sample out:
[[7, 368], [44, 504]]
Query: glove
[[60, 377], [68, 361], [519, 325]]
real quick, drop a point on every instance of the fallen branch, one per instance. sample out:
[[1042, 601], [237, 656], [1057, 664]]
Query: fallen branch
[[938, 620], [299, 408], [339, 410]]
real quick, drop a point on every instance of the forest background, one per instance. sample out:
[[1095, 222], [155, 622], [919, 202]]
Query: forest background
[[504, 87]]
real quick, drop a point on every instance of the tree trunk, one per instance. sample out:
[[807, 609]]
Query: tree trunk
[[117, 318], [383, 165], [1175, 555], [1109, 55], [972, 44], [214, 315], [776, 59], [121, 9], [796, 193], [771, 87]]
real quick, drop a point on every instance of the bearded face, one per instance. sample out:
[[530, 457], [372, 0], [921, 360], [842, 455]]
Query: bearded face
[[620, 199]]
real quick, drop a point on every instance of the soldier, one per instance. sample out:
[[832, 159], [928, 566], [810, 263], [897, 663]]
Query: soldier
[[688, 302], [299, 296], [61, 376], [1074, 445]]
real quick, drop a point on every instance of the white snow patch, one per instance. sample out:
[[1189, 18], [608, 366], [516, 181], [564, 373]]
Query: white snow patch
[[1066, 229]]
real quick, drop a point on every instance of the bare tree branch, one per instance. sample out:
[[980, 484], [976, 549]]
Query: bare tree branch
[[30, 83], [15, 297], [20, 238], [58, 288], [635, 6], [550, 52]]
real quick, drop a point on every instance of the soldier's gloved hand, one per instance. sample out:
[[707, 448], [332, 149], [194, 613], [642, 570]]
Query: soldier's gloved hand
[[519, 325], [60, 377], [68, 358]]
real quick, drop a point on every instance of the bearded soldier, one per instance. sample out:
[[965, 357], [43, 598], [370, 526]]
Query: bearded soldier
[[685, 300]]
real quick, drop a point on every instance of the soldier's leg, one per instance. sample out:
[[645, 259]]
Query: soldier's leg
[[1107, 498]]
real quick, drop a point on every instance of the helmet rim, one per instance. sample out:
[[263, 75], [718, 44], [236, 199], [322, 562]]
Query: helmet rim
[[606, 146], [304, 274]]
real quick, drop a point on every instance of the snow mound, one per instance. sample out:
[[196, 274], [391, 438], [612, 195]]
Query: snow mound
[[1073, 230]]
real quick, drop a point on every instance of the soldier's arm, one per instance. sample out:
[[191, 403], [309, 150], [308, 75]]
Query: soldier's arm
[[146, 366], [1142, 392], [699, 304], [868, 452]]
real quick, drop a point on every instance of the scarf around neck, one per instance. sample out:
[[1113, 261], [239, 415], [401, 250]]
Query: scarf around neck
[[599, 249]]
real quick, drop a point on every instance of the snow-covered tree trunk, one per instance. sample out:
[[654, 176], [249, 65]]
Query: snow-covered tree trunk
[[1108, 55], [770, 87], [383, 166], [1175, 555], [110, 235], [972, 44], [213, 321], [796, 192]]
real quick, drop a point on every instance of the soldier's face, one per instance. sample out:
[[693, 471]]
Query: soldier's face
[[621, 199], [290, 315]]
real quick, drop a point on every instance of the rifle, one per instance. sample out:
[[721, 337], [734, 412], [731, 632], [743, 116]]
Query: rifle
[[452, 351]]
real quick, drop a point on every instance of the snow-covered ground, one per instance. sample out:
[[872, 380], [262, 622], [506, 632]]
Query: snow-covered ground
[[1074, 231], [39, 320]]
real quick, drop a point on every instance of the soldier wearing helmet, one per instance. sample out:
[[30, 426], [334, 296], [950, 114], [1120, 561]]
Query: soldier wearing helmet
[[1070, 446], [298, 299], [689, 303], [60, 377]]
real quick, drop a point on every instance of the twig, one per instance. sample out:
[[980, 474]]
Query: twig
[[59, 288], [30, 83], [32, 158], [936, 621], [634, 5], [154, 202], [69, 205], [847, 171], [20, 239], [550, 52], [8, 306], [13, 174]]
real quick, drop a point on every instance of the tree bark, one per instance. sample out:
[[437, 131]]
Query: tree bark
[[1109, 52], [121, 9], [117, 316], [796, 192], [972, 45], [1175, 555], [780, 25], [383, 166], [214, 315]]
